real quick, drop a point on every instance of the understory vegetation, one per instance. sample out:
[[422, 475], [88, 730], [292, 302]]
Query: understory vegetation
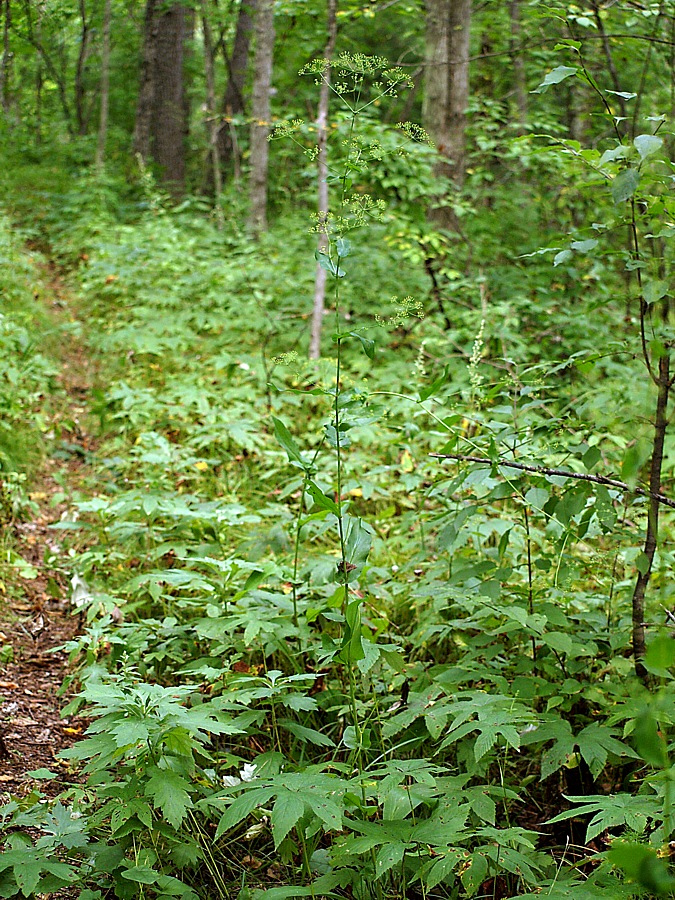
[[367, 626]]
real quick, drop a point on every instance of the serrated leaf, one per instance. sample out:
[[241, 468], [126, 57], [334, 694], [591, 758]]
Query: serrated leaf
[[242, 806], [624, 185], [329, 813], [388, 856], [307, 735], [323, 501], [169, 792], [141, 874], [27, 873], [442, 868], [288, 809]]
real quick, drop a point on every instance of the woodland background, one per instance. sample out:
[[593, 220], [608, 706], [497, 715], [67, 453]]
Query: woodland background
[[336, 398]]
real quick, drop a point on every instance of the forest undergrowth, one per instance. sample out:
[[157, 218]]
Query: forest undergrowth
[[360, 627]]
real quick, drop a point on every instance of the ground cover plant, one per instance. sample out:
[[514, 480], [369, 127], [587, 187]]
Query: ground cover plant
[[396, 622]]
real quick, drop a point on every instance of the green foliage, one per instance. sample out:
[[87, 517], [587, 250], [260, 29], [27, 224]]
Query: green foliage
[[317, 659]]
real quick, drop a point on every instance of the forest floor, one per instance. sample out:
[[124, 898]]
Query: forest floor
[[36, 616]]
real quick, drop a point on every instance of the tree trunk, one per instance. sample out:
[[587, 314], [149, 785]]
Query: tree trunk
[[212, 126], [161, 111], [6, 56], [322, 175], [518, 63], [233, 99], [447, 94], [146, 93], [168, 112], [34, 37], [81, 116], [105, 86], [260, 111]]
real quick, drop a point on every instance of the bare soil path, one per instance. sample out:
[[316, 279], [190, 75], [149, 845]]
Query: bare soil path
[[35, 613]]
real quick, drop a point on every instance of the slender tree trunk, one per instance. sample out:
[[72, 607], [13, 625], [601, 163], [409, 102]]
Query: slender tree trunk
[[518, 63], [82, 57], [663, 385], [146, 93], [233, 99], [212, 125], [260, 111], [447, 93], [105, 86], [609, 59], [6, 56], [34, 36], [322, 174]]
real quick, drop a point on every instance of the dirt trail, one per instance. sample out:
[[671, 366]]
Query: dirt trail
[[35, 617]]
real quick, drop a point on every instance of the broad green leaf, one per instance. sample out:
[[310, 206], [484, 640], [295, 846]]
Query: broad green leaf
[[562, 257], [323, 501], [584, 246], [283, 436], [307, 735], [641, 864], [328, 265], [287, 810], [435, 385], [595, 743], [655, 290], [169, 792], [647, 144], [343, 247], [242, 806], [661, 653], [141, 874], [650, 743], [619, 152], [624, 185], [366, 343], [329, 813], [388, 856], [443, 868], [27, 873], [555, 76]]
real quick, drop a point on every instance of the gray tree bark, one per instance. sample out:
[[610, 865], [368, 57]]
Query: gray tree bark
[[212, 125], [233, 99], [447, 93], [260, 113], [168, 113], [161, 111], [146, 92]]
